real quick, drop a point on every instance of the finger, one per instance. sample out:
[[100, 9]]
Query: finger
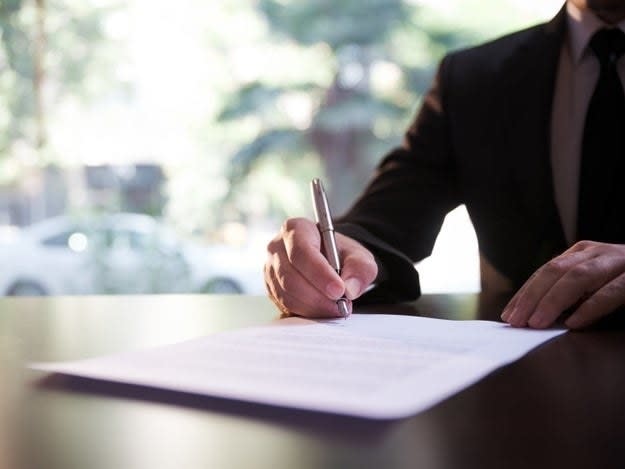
[[540, 283], [509, 308], [359, 266], [512, 304], [302, 244], [308, 305], [303, 297], [578, 282], [272, 286], [599, 304], [521, 292]]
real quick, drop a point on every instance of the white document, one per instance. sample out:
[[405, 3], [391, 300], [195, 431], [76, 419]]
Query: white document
[[369, 365]]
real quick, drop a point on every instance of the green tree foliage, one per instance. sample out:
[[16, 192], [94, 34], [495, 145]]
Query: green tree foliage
[[47, 49], [16, 74], [379, 59]]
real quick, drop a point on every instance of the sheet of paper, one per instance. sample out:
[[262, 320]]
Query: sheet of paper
[[369, 365]]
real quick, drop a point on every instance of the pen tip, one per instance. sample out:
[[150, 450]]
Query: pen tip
[[342, 305]]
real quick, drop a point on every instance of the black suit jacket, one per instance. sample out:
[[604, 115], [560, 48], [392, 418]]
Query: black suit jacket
[[481, 138]]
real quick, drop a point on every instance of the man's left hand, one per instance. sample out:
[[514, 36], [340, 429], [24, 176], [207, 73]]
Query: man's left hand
[[589, 277]]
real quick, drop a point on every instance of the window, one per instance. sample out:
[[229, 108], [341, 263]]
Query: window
[[211, 117]]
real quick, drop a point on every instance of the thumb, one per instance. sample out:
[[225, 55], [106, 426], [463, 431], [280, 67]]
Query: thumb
[[359, 266]]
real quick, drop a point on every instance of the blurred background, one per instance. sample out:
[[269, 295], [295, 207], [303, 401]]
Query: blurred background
[[150, 146]]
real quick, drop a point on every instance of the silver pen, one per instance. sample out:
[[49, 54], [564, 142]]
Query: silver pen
[[326, 229]]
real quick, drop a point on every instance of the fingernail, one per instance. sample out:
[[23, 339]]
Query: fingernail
[[505, 314], [512, 315], [352, 288], [334, 290]]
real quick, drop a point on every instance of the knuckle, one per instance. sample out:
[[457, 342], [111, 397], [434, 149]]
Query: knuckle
[[276, 267], [271, 292], [582, 245], [274, 245], [555, 267], [272, 263], [279, 275], [285, 278], [271, 281], [580, 271], [275, 293], [291, 224], [287, 283], [287, 225]]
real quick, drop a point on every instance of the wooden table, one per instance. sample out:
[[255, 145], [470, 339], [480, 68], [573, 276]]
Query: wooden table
[[561, 406]]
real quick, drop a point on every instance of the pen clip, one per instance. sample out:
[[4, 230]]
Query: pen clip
[[323, 215]]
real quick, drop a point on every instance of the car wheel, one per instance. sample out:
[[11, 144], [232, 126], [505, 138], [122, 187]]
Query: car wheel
[[26, 289], [222, 285]]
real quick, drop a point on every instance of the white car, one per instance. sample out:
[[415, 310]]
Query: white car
[[117, 253]]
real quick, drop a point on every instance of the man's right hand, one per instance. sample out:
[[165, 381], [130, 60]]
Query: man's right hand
[[299, 278]]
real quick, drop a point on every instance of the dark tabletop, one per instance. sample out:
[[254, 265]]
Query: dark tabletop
[[560, 406]]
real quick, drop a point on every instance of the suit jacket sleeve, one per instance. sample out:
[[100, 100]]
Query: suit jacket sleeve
[[403, 207]]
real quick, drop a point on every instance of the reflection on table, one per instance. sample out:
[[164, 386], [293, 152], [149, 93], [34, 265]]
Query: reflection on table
[[559, 406]]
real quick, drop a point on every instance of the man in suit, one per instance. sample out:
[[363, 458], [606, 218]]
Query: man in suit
[[529, 132]]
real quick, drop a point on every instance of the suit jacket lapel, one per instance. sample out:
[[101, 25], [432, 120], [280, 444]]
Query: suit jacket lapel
[[528, 80]]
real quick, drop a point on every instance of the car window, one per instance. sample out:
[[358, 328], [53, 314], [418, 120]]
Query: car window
[[73, 239], [127, 239]]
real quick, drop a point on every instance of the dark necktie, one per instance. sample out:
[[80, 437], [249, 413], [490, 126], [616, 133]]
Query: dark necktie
[[601, 211]]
